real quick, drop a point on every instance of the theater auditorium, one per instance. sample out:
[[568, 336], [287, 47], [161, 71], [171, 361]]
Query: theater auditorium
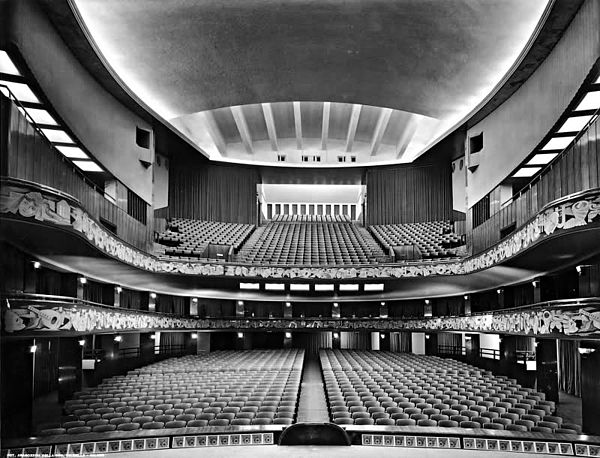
[[315, 228]]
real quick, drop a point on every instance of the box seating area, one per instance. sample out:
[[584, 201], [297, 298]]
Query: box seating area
[[303, 239], [255, 387], [434, 239], [188, 237], [403, 389]]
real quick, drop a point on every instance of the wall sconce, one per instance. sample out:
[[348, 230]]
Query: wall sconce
[[427, 301], [288, 335], [336, 335], [240, 335], [466, 297], [119, 289], [153, 295], [499, 291], [382, 335], [153, 336], [82, 342], [382, 303], [335, 304], [586, 351], [82, 280], [118, 338], [33, 349], [427, 336], [535, 283], [240, 302], [37, 264], [288, 304], [579, 269], [194, 336], [194, 299]]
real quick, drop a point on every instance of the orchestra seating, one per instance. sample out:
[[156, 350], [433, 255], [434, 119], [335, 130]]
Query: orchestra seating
[[313, 240], [403, 389], [255, 387], [189, 237], [433, 239]]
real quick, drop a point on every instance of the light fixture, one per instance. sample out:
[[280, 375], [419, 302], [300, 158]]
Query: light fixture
[[535, 283], [382, 303], [348, 287], [240, 335], [20, 91], [153, 336], [373, 287], [323, 287], [336, 335], [194, 299], [586, 351], [382, 335], [41, 116], [468, 337], [336, 305], [559, 143], [72, 152], [194, 335], [82, 280], [57, 135], [288, 335], [590, 102], [240, 302], [299, 287], [427, 336], [249, 285], [526, 172], [427, 301], [153, 295], [574, 123], [88, 166], [499, 291], [288, 304], [466, 297], [118, 338], [82, 342], [541, 159], [7, 65], [33, 348], [119, 289], [37, 264], [579, 269], [274, 286]]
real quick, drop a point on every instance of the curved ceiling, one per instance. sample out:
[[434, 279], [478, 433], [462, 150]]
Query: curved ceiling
[[435, 59]]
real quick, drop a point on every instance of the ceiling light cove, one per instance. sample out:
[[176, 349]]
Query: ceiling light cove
[[303, 90]]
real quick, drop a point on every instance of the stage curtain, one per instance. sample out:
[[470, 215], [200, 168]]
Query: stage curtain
[[569, 363], [311, 342]]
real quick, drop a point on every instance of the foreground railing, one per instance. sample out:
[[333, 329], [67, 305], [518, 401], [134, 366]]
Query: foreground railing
[[34, 314]]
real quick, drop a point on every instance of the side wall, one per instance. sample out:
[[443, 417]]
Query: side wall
[[514, 129], [407, 194], [98, 120]]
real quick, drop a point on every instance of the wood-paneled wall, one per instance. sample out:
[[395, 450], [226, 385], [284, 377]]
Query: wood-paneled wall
[[27, 155], [407, 194], [199, 190], [576, 170]]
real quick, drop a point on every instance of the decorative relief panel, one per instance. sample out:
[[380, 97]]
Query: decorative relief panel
[[583, 321], [28, 201]]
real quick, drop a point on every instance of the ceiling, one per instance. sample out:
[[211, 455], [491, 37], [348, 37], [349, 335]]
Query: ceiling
[[223, 71]]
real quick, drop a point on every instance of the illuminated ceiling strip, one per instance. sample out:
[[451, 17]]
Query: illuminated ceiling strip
[[558, 143], [526, 172], [373, 286], [274, 286], [249, 285], [348, 287], [542, 159], [299, 287], [72, 152], [590, 102], [574, 124], [7, 65], [323, 287], [88, 166]]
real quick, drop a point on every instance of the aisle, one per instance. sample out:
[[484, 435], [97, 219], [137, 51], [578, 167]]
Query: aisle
[[312, 406]]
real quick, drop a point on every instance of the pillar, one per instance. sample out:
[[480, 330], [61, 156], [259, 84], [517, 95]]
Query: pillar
[[467, 298], [431, 344], [418, 343], [537, 291], [384, 341], [287, 310], [117, 294], [239, 309]]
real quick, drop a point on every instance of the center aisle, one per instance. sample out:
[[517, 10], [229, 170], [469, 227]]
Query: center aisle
[[312, 406]]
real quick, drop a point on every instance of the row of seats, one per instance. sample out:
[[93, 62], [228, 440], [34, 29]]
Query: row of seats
[[311, 219], [187, 237], [311, 243], [434, 239], [384, 388], [256, 387]]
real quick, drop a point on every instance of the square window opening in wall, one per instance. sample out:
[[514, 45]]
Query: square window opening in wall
[[281, 158], [142, 138], [305, 158], [317, 158], [341, 158], [352, 158], [476, 143]]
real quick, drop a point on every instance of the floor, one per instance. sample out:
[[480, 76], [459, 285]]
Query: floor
[[354, 451], [569, 408], [312, 405]]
